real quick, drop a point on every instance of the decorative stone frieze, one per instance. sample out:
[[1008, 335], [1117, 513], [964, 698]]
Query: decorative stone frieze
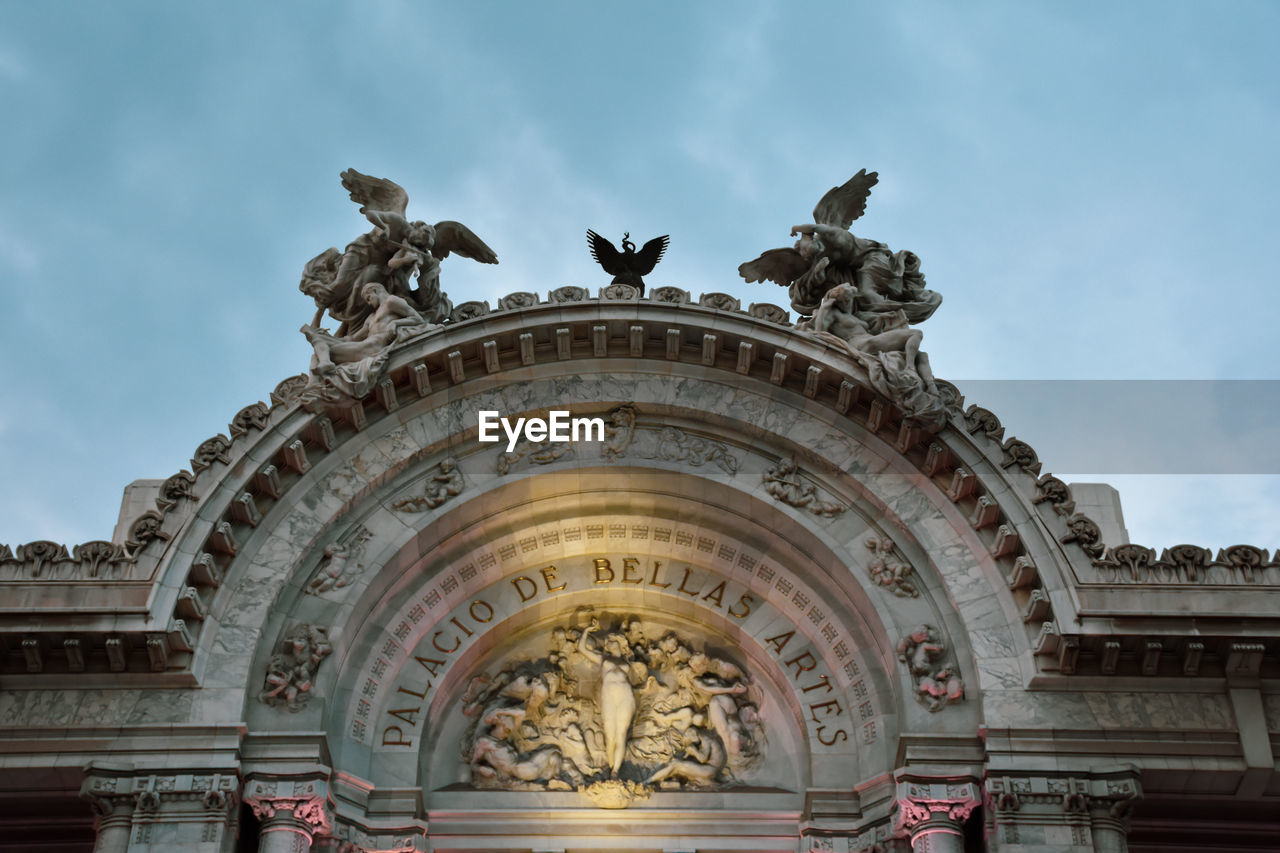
[[1060, 812]]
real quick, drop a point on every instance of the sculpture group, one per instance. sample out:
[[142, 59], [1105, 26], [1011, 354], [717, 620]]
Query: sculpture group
[[383, 289], [856, 293], [860, 295], [609, 711]]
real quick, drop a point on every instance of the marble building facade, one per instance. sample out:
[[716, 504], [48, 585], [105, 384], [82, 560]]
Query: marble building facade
[[776, 608]]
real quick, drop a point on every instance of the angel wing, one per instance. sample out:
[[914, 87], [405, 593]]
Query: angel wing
[[375, 193], [455, 237], [781, 266], [606, 254], [841, 205], [648, 256]]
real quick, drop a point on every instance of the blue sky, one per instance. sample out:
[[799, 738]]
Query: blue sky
[[1092, 188]]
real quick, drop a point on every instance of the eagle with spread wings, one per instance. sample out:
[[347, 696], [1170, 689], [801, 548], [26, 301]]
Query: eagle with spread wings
[[391, 253], [627, 266], [827, 255]]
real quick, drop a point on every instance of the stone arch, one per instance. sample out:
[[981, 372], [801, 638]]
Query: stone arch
[[892, 484]]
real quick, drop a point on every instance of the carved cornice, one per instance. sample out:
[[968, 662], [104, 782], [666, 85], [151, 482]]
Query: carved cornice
[[481, 343]]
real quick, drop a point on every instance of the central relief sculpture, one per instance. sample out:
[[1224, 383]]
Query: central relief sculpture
[[612, 713]]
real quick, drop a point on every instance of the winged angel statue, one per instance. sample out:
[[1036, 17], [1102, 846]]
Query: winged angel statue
[[369, 288], [860, 295]]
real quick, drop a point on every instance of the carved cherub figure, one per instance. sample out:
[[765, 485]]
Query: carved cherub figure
[[699, 764], [442, 485], [330, 574]]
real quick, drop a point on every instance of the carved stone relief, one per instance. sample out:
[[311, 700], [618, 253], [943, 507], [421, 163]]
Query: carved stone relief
[[444, 482], [1085, 532], [251, 417], [536, 452], [287, 391], [613, 713], [782, 480], [619, 292], [342, 561], [618, 428], [675, 445], [469, 311], [937, 681], [291, 671], [888, 569]]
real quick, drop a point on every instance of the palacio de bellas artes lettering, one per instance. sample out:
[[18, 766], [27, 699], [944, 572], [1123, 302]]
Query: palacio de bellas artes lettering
[[626, 567]]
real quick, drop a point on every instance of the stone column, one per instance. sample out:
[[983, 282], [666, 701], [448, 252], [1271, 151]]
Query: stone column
[[1061, 812], [931, 812], [292, 813], [109, 792]]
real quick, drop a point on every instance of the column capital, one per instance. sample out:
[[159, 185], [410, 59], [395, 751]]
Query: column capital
[[928, 804], [302, 803]]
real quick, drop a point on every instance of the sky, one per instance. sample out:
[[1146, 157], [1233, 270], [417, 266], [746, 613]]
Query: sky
[[1091, 186]]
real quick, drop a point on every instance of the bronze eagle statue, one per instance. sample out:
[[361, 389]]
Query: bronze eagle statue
[[627, 266]]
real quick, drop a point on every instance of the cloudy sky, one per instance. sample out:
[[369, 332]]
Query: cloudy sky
[[1091, 186]]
